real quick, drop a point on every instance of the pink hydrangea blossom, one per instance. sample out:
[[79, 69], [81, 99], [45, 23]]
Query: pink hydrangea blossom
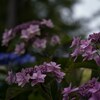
[[95, 37], [40, 43], [55, 40], [75, 42], [11, 77], [22, 78], [30, 32], [67, 91], [48, 23], [20, 48], [7, 36], [37, 77], [87, 48], [37, 74]]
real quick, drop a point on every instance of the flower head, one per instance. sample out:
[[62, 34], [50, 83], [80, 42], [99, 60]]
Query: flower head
[[95, 96], [48, 23], [85, 43], [22, 78], [86, 89], [40, 43], [11, 77], [7, 36], [55, 40], [95, 37], [55, 70], [30, 32], [37, 74], [67, 91], [20, 48], [37, 77], [75, 42]]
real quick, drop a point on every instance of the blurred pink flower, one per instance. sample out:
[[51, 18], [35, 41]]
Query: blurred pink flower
[[40, 43], [48, 23], [7, 36], [55, 40], [37, 77], [30, 32], [20, 48]]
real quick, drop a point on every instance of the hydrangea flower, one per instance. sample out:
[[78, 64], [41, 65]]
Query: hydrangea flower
[[40, 43], [48, 23], [55, 40], [97, 59], [22, 78], [11, 77], [95, 96], [89, 88], [33, 29], [30, 32], [27, 30], [20, 48], [95, 92], [89, 91], [87, 48], [37, 74], [85, 43], [75, 42], [95, 37], [24, 34], [52, 66], [75, 53], [55, 70], [89, 53], [37, 77], [7, 36], [67, 91]]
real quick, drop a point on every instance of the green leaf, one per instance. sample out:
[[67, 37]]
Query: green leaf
[[55, 89], [65, 39], [86, 64], [15, 91], [79, 63], [35, 97]]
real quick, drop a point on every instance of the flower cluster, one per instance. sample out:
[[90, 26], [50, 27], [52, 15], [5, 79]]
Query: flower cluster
[[55, 40], [20, 48], [89, 90], [67, 91], [11, 58], [40, 43], [88, 48], [31, 33], [36, 75], [95, 37]]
